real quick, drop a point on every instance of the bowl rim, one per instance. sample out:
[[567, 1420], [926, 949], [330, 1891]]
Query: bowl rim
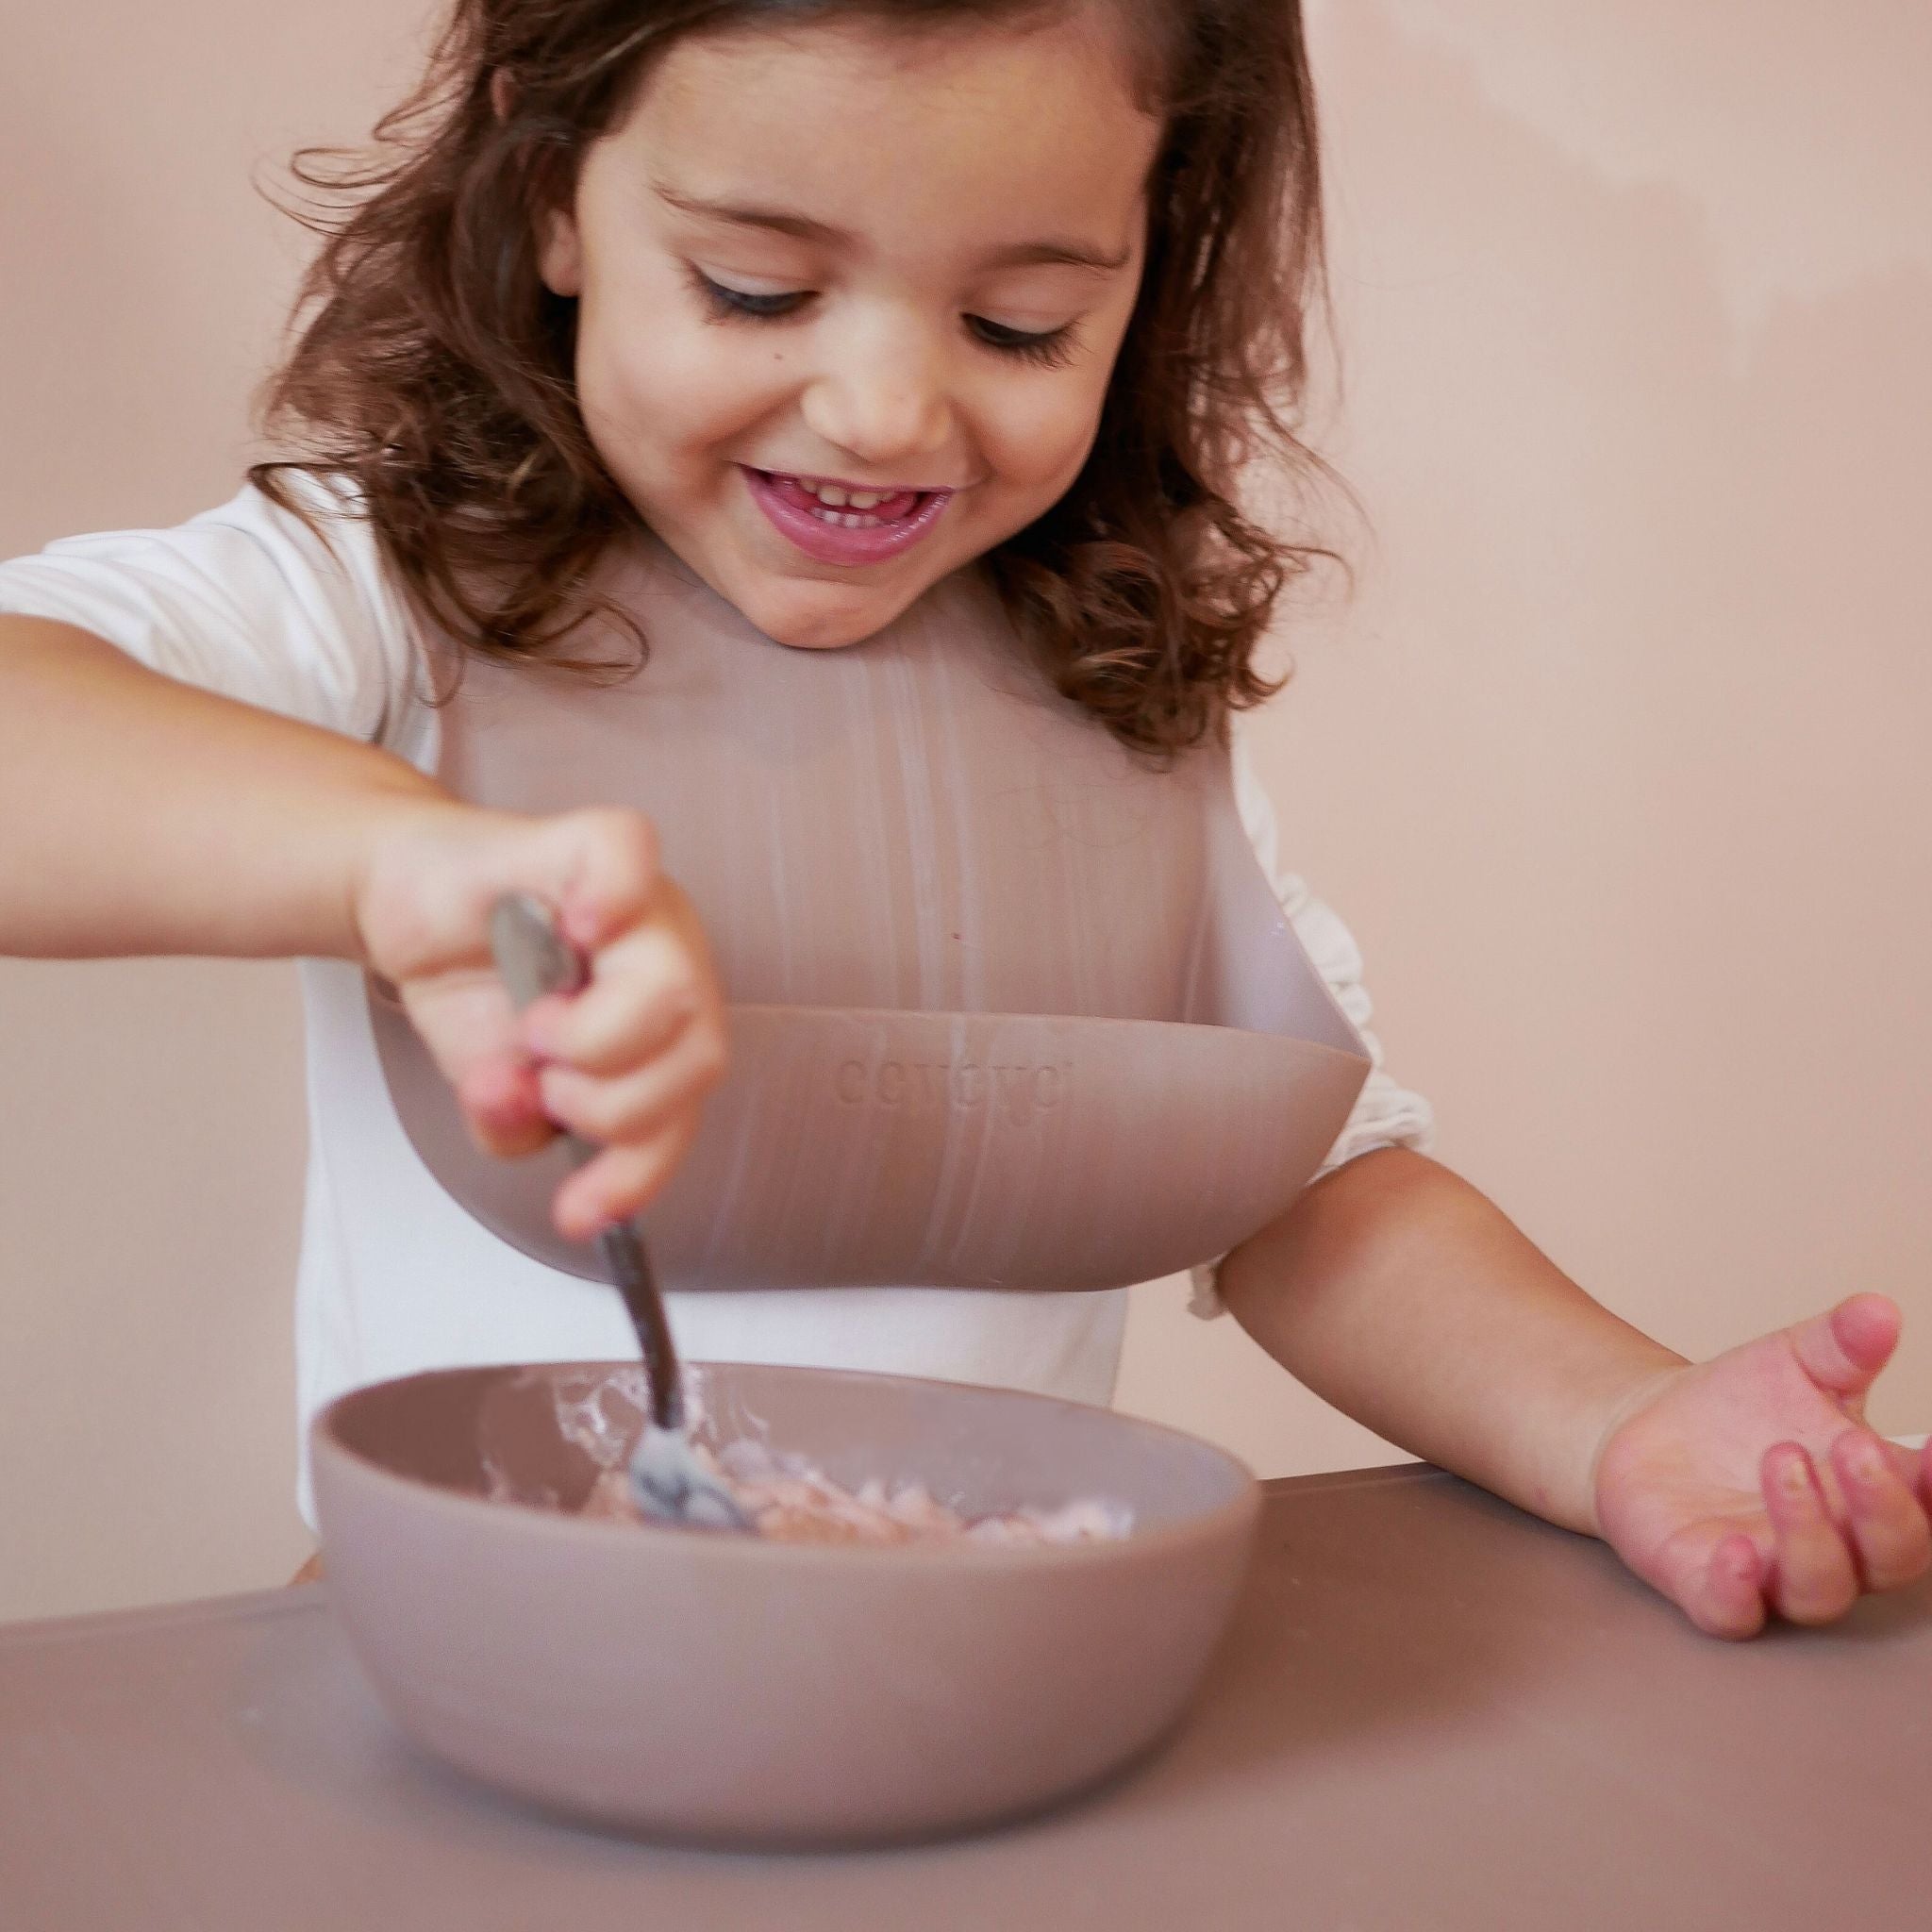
[[1244, 1503]]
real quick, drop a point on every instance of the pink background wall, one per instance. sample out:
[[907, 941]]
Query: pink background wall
[[1614, 761]]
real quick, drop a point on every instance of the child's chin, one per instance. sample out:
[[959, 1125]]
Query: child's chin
[[821, 617]]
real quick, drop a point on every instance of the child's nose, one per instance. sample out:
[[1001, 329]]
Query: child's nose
[[886, 405]]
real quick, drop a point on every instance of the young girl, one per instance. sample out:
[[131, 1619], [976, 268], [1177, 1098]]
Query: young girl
[[819, 347]]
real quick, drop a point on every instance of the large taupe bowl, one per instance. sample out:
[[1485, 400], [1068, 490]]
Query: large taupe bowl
[[692, 1684]]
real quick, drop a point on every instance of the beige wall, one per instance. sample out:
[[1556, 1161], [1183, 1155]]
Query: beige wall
[[151, 1135], [1614, 762], [1617, 763]]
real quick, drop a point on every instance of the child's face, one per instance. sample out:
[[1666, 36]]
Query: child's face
[[838, 258]]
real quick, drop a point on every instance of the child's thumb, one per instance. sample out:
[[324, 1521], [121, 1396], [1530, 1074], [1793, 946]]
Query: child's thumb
[[1843, 1349]]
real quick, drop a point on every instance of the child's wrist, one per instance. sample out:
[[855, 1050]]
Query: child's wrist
[[405, 804]]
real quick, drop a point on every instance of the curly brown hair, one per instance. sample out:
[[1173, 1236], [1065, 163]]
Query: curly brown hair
[[434, 369]]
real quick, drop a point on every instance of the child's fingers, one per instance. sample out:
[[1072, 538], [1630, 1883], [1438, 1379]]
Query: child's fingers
[[1887, 1524], [1716, 1580], [633, 1106], [610, 876], [1812, 1577], [620, 1182], [1843, 1349], [1727, 1598], [503, 1104], [647, 988]]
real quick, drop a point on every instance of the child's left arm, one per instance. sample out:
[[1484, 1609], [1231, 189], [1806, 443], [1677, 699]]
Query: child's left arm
[[1738, 1486]]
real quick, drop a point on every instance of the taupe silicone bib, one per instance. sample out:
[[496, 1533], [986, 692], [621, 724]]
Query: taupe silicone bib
[[1010, 1009]]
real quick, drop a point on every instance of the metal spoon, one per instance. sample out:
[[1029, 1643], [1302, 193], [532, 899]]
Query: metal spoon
[[667, 1480]]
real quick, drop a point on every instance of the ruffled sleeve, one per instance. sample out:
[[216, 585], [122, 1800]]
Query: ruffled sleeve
[[294, 613]]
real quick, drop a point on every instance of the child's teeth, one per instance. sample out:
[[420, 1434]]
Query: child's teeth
[[843, 508]]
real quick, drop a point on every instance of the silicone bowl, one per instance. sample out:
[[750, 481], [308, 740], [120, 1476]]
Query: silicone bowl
[[695, 1685]]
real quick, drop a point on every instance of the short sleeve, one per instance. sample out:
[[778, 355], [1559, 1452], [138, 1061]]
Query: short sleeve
[[1386, 1114], [249, 600]]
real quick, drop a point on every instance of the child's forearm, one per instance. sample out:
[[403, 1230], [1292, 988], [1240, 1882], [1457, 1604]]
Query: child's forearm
[[138, 815], [1404, 1296]]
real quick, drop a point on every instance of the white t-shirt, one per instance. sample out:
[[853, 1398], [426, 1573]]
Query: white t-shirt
[[394, 1277]]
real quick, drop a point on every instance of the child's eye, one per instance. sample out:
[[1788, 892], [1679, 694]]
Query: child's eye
[[732, 304], [1048, 347]]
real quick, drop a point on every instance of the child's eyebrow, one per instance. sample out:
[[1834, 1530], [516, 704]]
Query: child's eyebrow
[[1051, 253]]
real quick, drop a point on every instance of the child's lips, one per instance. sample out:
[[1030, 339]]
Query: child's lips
[[882, 524]]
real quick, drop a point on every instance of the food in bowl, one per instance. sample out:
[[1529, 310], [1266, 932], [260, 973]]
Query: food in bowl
[[788, 1500]]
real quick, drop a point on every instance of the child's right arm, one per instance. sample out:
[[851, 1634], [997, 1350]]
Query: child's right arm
[[143, 815]]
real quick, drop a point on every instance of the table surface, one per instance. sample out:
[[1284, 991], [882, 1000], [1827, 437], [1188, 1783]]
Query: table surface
[[1432, 1712]]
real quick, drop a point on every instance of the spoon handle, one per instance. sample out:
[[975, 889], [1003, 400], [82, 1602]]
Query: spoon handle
[[628, 1264]]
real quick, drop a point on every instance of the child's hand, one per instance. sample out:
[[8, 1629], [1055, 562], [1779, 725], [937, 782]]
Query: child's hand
[[1750, 1484], [627, 1061]]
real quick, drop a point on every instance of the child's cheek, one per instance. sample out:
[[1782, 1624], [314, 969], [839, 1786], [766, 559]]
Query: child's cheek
[[1040, 441], [674, 399]]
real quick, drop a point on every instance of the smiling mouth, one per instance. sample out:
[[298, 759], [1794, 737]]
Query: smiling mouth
[[845, 525], [851, 506]]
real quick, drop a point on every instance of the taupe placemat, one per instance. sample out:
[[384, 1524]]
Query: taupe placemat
[[1433, 1713]]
